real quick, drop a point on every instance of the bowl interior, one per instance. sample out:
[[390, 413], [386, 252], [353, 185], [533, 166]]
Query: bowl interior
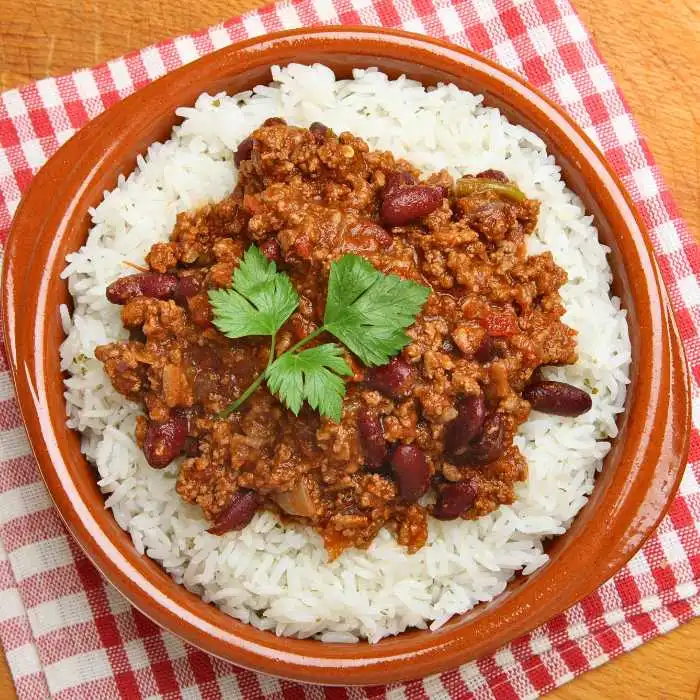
[[613, 522]]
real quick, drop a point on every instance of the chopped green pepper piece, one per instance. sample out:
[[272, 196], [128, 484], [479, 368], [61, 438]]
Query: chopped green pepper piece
[[474, 185]]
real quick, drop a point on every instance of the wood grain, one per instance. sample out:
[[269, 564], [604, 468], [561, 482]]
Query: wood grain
[[652, 49]]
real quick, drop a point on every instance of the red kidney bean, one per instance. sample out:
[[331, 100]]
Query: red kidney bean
[[402, 205], [411, 471], [271, 250], [557, 398], [146, 284], [319, 132], [237, 514], [398, 178], [393, 380], [158, 285], [486, 350], [165, 441], [454, 499], [489, 446], [274, 121], [372, 439], [493, 175], [471, 412], [186, 287], [243, 152], [123, 289]]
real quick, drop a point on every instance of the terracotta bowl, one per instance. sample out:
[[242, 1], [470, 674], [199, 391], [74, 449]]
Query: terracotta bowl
[[641, 473]]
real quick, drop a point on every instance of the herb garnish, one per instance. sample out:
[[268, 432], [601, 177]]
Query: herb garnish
[[365, 309]]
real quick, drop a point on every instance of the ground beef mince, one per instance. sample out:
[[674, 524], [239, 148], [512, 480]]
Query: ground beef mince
[[434, 426]]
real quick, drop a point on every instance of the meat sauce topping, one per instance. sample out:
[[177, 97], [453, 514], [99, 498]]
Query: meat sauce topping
[[439, 419]]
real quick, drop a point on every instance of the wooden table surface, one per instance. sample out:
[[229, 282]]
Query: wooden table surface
[[652, 48]]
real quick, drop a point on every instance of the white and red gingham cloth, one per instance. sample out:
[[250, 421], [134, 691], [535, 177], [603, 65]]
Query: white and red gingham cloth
[[68, 634]]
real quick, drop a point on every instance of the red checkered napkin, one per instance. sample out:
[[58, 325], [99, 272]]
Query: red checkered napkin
[[68, 634]]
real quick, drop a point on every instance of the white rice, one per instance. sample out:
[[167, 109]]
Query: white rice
[[277, 577]]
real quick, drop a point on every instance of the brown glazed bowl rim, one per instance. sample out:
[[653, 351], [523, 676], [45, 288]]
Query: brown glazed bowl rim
[[632, 493]]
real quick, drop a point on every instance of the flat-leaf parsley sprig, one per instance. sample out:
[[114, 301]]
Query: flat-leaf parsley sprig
[[365, 309], [258, 302]]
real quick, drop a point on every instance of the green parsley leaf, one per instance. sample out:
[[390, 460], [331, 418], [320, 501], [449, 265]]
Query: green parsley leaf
[[365, 309], [312, 376], [259, 301], [369, 311]]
